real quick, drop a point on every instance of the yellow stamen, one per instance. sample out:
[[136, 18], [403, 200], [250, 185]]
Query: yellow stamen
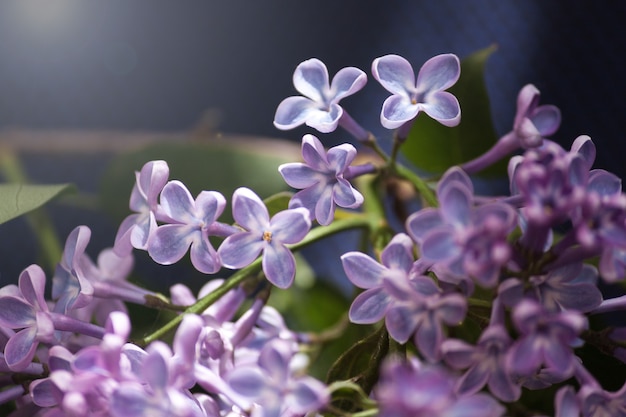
[[267, 236]]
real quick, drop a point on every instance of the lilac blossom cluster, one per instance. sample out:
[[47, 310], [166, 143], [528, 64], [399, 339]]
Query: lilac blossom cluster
[[478, 298]]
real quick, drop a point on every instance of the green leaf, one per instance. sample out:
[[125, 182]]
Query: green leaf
[[222, 166], [434, 148], [18, 199], [360, 364]]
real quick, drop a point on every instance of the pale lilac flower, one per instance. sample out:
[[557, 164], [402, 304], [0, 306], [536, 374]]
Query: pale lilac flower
[[319, 107], [136, 229], [274, 387], [426, 93], [323, 179], [190, 226], [461, 238], [363, 271], [264, 234], [411, 389], [545, 340]]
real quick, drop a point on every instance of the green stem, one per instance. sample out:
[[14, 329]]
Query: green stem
[[357, 221], [420, 185], [38, 220]]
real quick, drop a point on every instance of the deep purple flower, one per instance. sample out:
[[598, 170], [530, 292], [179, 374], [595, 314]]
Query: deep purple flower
[[545, 340], [319, 107], [323, 179], [273, 386], [397, 259], [464, 239], [412, 389], [485, 363], [426, 93], [421, 309], [190, 225], [264, 234], [573, 287], [531, 125], [136, 229]]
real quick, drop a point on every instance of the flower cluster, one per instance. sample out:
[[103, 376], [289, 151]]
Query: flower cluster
[[468, 302]]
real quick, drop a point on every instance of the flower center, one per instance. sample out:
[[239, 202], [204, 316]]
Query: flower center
[[267, 236]]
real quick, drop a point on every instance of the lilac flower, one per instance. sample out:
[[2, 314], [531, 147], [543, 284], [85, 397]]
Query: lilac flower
[[412, 389], [420, 311], [319, 108], [191, 223], [136, 229], [531, 125], [573, 287], [546, 339], [323, 179], [485, 363], [264, 234], [397, 259], [30, 314], [272, 385], [410, 96], [463, 239]]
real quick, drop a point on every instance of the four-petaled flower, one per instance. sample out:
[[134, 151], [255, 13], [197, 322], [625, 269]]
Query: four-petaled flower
[[532, 121], [322, 179], [191, 223], [264, 234], [426, 93], [319, 108]]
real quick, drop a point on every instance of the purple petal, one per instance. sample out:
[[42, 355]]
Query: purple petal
[[400, 323], [16, 313], [142, 232], [395, 74], [20, 349], [210, 205], [502, 387], [420, 223], [559, 357], [604, 183], [308, 198], [152, 179], [314, 154], [362, 270], [440, 245], [457, 353], [456, 203], [290, 226], [75, 245], [186, 337], [566, 402], [443, 107], [292, 112], [240, 249], [325, 207], [249, 382], [455, 175], [346, 82], [478, 405], [299, 175], [311, 79], [397, 110], [170, 242], [398, 254], [274, 359], [279, 265], [524, 357], [203, 257], [584, 146], [306, 395], [325, 121], [177, 202], [345, 195], [428, 338], [369, 306], [473, 380], [546, 118], [452, 308], [339, 157], [527, 99], [249, 211], [32, 284], [439, 73], [154, 368]]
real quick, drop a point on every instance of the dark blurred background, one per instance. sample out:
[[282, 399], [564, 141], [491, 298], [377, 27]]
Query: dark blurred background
[[168, 67]]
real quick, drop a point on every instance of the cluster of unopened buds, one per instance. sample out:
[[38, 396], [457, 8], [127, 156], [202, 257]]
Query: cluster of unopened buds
[[519, 272]]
